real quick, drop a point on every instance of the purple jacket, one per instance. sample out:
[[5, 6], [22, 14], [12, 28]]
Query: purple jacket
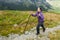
[[40, 16]]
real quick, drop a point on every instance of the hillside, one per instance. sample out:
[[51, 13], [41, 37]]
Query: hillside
[[55, 5], [24, 4], [15, 21]]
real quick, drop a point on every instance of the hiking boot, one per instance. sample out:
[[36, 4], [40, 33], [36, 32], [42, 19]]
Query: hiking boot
[[37, 33], [43, 30]]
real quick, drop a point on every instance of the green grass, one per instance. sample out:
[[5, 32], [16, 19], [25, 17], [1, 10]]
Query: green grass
[[8, 18], [55, 36]]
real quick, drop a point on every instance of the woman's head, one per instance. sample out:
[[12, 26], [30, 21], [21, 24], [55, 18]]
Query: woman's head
[[39, 9]]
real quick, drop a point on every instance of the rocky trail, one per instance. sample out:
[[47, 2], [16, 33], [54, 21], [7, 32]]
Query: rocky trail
[[31, 35]]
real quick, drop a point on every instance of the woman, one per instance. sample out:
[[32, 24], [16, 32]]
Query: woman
[[40, 17]]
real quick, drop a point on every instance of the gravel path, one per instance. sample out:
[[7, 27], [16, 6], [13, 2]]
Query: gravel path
[[31, 35]]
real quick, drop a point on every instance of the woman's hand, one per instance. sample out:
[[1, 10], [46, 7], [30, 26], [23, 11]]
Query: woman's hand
[[39, 14], [31, 12]]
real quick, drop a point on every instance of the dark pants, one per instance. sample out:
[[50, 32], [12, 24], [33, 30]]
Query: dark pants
[[38, 26]]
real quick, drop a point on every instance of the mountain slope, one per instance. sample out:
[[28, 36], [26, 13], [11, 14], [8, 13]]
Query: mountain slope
[[55, 5], [24, 4]]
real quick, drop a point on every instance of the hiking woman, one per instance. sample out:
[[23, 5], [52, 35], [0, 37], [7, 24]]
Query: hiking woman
[[40, 18]]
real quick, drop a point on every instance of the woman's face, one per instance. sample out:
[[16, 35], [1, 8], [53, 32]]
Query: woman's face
[[38, 10]]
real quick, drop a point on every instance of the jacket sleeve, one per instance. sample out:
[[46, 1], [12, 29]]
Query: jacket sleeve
[[34, 15]]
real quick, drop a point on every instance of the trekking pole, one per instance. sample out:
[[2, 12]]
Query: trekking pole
[[26, 25]]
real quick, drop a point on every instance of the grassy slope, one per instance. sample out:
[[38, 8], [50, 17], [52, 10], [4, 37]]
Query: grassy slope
[[10, 18], [55, 35]]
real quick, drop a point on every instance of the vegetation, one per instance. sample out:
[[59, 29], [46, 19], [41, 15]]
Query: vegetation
[[55, 35], [15, 21]]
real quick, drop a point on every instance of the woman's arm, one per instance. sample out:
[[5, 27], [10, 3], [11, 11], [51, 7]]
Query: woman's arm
[[34, 15]]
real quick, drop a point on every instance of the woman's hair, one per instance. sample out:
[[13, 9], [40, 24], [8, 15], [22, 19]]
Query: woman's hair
[[41, 9]]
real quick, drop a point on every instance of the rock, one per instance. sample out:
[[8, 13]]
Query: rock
[[15, 25]]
